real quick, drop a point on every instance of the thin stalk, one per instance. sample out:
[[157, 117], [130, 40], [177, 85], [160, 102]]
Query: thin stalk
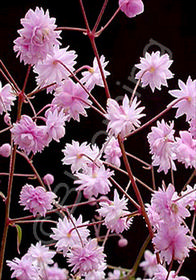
[[9, 76], [32, 167], [7, 208], [100, 16], [83, 30], [134, 185]]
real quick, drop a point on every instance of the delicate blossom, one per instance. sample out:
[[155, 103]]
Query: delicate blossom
[[79, 156], [186, 97], [69, 232], [36, 200], [94, 181], [162, 274], [23, 269], [28, 135], [55, 124], [168, 206], [54, 273], [37, 37], [86, 258], [186, 149], [131, 8], [116, 274], [72, 99], [123, 118], [112, 151], [149, 264], [51, 70], [162, 146], [40, 254], [154, 70], [113, 212], [172, 242], [92, 76], [7, 98]]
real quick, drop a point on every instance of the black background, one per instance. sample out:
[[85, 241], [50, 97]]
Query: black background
[[169, 23]]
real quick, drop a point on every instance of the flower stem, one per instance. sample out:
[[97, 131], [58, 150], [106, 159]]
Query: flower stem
[[134, 185]]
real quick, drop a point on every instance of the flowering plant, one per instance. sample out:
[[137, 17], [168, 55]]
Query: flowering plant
[[168, 214]]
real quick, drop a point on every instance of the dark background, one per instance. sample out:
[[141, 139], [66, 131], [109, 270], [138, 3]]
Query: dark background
[[171, 25]]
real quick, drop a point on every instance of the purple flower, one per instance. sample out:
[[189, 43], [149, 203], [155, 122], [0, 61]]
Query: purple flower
[[162, 274], [185, 149], [51, 71], [93, 76], [55, 124], [23, 268], [95, 181], [172, 242], [37, 37], [28, 136], [79, 156], [187, 93], [86, 258], [154, 70], [67, 235], [162, 146], [113, 212], [149, 265], [72, 98], [40, 254], [123, 118], [36, 200], [131, 8], [112, 151], [6, 98]]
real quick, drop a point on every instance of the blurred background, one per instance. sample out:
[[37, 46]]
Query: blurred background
[[167, 26]]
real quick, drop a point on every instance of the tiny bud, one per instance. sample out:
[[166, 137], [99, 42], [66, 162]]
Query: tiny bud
[[48, 179], [5, 150], [122, 242]]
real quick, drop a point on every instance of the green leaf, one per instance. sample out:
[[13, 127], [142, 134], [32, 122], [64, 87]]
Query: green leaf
[[19, 237]]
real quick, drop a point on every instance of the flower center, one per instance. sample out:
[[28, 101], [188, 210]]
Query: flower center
[[152, 69]]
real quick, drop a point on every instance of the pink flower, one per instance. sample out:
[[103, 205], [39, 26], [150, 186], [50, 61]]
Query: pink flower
[[154, 70], [116, 274], [95, 181], [36, 200], [113, 212], [72, 98], [186, 149], [168, 206], [172, 242], [112, 151], [162, 146], [98, 274], [37, 37], [125, 118], [93, 76], [51, 71], [149, 265], [40, 254], [187, 105], [54, 273], [66, 234], [131, 8], [23, 268], [28, 136], [79, 156], [6, 98], [162, 274], [55, 124], [86, 258]]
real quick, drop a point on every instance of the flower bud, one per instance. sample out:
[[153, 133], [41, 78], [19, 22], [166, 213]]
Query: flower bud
[[5, 150], [48, 179], [122, 242]]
